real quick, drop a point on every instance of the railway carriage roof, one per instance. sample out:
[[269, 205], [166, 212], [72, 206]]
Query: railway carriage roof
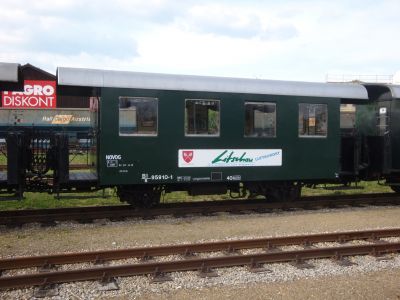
[[139, 80], [395, 89], [9, 72]]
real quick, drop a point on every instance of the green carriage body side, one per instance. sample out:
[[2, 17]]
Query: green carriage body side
[[395, 132], [154, 159]]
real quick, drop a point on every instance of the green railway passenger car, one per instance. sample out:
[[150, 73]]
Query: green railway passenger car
[[208, 135]]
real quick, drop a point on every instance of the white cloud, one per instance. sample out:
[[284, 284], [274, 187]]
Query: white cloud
[[301, 40]]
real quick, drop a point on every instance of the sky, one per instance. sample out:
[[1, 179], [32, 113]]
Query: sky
[[302, 40]]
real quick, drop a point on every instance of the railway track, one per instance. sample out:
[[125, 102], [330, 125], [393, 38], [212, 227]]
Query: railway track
[[268, 252], [119, 212]]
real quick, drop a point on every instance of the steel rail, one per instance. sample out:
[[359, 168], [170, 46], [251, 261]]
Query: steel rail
[[124, 211], [305, 199], [202, 264], [188, 249]]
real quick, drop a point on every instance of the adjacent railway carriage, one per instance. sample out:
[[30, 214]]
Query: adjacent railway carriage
[[41, 136], [39, 146], [380, 132]]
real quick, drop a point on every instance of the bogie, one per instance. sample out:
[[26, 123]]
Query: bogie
[[275, 191], [141, 196]]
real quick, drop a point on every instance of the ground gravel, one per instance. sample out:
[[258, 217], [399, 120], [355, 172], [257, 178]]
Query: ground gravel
[[281, 281]]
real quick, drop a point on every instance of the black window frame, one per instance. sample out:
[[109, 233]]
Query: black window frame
[[248, 102], [186, 120], [155, 134], [315, 117]]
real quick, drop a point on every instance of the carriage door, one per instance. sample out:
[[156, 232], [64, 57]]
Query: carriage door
[[350, 141], [383, 130]]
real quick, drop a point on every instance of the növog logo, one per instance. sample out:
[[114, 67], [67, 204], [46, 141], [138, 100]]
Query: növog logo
[[113, 156]]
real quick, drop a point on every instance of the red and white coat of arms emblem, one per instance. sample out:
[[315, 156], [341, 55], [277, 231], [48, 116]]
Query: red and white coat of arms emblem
[[187, 156]]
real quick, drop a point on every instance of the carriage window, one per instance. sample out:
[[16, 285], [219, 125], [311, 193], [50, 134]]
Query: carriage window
[[138, 116], [313, 120], [347, 116], [202, 117], [260, 119], [347, 119]]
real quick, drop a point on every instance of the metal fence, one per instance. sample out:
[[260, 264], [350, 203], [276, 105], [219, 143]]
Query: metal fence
[[359, 78]]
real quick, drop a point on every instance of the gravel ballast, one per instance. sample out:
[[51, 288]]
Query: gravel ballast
[[281, 281]]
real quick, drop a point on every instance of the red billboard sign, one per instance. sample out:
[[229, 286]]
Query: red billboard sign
[[37, 94]]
